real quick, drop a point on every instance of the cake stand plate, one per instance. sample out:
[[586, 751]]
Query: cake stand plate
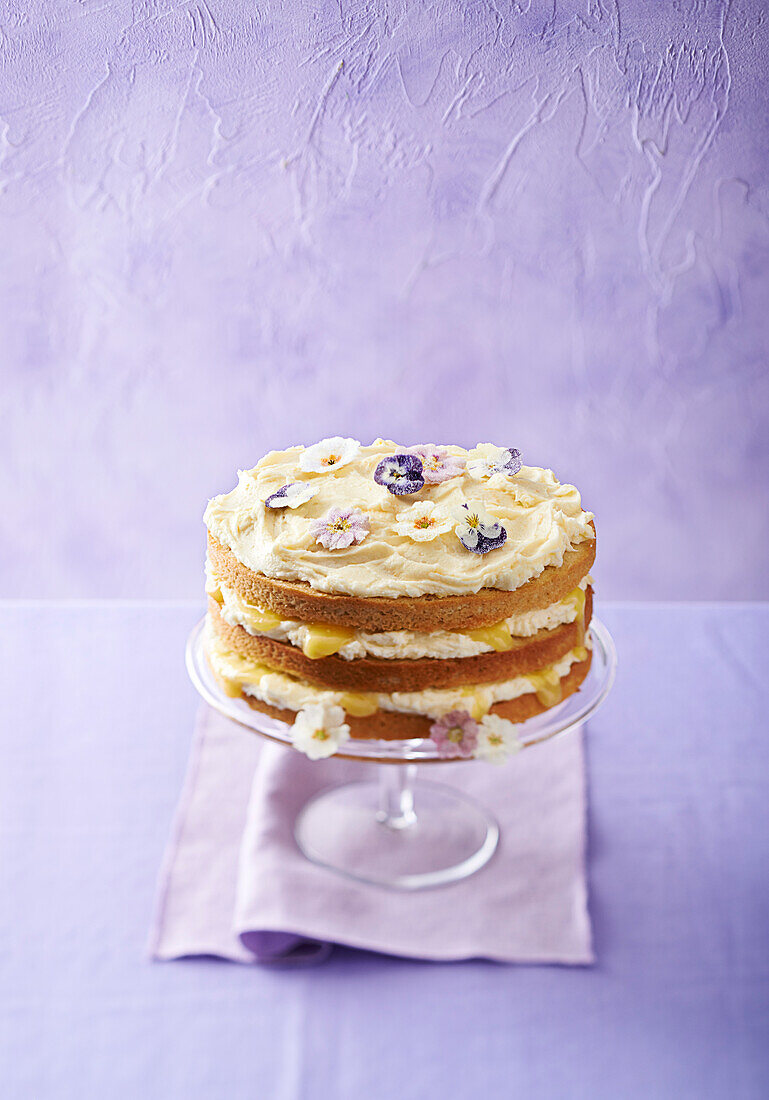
[[402, 832]]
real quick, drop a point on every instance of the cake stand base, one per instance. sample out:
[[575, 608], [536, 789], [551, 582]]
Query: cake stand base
[[397, 832]]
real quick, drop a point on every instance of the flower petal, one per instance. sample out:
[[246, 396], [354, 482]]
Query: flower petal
[[328, 454], [455, 734], [489, 530], [438, 465], [423, 521], [291, 495], [340, 527], [497, 739], [319, 730], [513, 462], [401, 474], [468, 536]]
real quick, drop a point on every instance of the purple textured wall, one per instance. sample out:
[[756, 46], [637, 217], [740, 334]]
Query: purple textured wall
[[227, 227]]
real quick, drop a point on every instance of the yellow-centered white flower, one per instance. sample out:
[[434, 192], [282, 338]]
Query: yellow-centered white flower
[[497, 739], [423, 521], [328, 455], [319, 730]]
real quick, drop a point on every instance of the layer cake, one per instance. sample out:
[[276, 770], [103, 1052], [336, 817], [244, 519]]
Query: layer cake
[[396, 593]]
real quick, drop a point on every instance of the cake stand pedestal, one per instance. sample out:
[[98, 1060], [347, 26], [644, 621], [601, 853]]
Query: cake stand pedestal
[[401, 831], [398, 832]]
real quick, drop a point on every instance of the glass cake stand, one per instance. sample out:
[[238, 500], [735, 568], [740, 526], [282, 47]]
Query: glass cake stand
[[399, 831]]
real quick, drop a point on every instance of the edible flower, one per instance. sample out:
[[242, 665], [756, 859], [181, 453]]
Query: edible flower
[[401, 474], [319, 730], [292, 495], [478, 531], [423, 522], [492, 460], [455, 734], [329, 454], [497, 739], [340, 527], [437, 464]]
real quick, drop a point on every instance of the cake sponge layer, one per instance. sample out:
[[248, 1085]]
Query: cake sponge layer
[[369, 674], [389, 725], [293, 600]]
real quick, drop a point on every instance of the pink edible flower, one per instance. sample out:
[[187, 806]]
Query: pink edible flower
[[455, 734], [340, 527], [437, 464]]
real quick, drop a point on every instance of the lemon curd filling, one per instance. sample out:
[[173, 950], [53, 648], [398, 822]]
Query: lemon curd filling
[[238, 673], [497, 636], [358, 704], [577, 598], [547, 687], [321, 640]]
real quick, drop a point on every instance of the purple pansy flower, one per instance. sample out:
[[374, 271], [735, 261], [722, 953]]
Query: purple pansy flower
[[401, 474], [437, 464], [455, 734], [477, 530], [291, 495], [340, 527]]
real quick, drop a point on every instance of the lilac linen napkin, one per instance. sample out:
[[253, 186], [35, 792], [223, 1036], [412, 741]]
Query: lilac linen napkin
[[234, 883]]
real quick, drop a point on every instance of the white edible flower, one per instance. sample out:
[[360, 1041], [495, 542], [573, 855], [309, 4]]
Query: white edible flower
[[319, 730], [488, 460], [292, 495], [497, 739], [423, 521], [329, 454]]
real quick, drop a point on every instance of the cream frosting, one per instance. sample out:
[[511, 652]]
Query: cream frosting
[[279, 690], [396, 644], [543, 520]]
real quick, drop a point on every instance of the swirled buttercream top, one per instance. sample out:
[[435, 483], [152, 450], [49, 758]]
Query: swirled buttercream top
[[401, 543]]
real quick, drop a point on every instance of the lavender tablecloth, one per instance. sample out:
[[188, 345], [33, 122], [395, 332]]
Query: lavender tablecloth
[[96, 725]]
